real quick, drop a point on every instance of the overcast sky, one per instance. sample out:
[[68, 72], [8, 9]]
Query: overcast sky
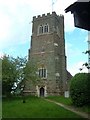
[[16, 26]]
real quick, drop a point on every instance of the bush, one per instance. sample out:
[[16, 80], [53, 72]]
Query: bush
[[79, 89]]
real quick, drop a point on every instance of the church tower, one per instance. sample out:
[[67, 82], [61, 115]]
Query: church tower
[[48, 52]]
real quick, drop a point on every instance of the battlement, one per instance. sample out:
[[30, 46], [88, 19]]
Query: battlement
[[47, 15]]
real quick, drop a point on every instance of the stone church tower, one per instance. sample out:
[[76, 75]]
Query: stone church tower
[[48, 52]]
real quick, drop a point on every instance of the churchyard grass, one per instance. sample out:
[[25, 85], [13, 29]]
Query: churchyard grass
[[34, 108], [61, 99], [67, 101]]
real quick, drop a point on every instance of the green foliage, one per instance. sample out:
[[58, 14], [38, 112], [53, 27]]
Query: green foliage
[[0, 77], [12, 72], [30, 72], [15, 71], [0, 69], [8, 75], [20, 64], [87, 52], [79, 89]]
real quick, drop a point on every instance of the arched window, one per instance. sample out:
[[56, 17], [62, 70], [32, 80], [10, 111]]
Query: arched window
[[40, 29], [42, 72], [43, 29], [46, 29]]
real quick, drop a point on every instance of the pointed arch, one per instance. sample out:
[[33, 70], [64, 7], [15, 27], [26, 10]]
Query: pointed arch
[[40, 31], [46, 28], [42, 92]]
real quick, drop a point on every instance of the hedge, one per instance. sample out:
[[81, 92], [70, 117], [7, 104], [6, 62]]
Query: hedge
[[80, 89]]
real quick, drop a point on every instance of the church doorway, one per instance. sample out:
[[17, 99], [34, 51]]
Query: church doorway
[[42, 92]]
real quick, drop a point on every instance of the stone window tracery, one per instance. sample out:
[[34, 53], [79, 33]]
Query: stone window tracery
[[42, 72], [42, 29], [46, 28]]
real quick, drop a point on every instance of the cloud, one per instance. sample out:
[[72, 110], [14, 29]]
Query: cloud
[[75, 58], [60, 6], [75, 68], [86, 39], [14, 23], [72, 51], [1, 54], [4, 26], [15, 16], [89, 36]]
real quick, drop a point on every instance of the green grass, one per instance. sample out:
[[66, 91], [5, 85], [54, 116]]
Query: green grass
[[61, 99], [67, 101], [34, 108]]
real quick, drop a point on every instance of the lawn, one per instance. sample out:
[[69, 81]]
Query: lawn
[[34, 108], [67, 101], [61, 99]]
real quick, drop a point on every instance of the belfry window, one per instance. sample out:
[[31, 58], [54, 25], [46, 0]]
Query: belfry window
[[46, 28], [41, 29], [42, 72]]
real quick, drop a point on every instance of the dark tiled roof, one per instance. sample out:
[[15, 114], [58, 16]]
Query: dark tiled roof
[[81, 11], [69, 76]]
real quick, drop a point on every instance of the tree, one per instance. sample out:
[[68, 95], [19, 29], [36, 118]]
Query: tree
[[12, 73], [79, 89], [30, 72], [20, 64], [0, 77], [9, 75], [15, 71], [86, 65], [27, 70]]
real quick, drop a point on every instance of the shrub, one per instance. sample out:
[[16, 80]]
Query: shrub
[[79, 89]]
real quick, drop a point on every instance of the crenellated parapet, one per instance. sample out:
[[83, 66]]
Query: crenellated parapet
[[39, 17]]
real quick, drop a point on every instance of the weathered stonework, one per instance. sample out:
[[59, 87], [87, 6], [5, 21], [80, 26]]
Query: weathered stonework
[[48, 51]]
